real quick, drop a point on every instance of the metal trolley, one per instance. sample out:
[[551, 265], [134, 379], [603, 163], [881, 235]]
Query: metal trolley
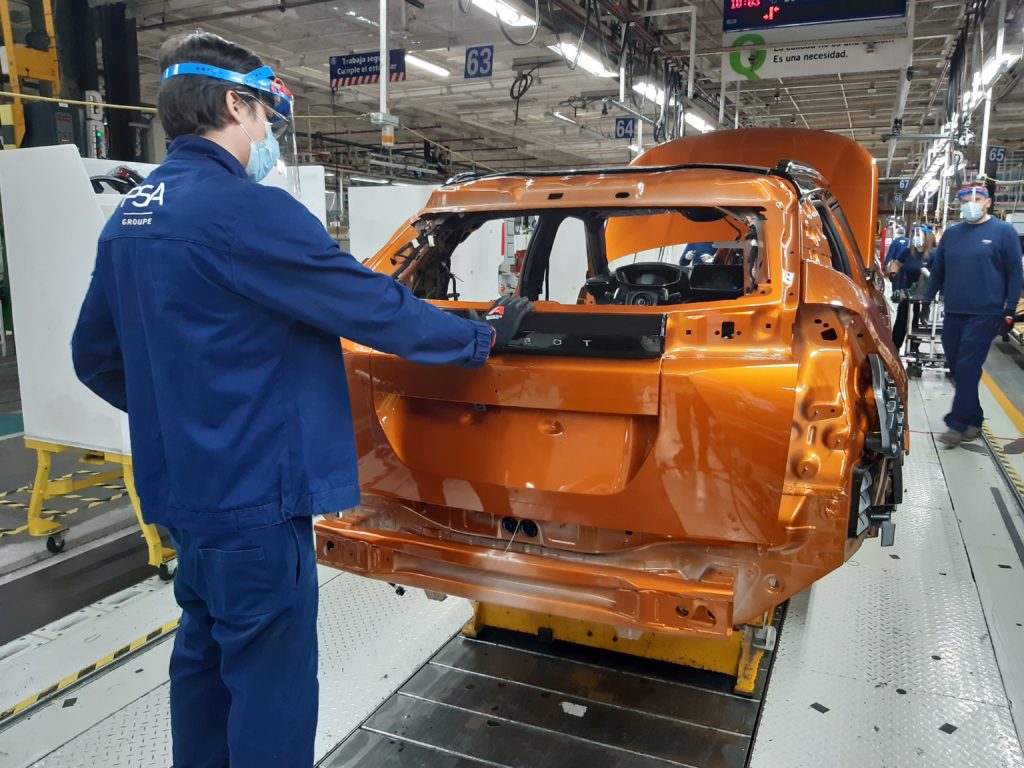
[[923, 346]]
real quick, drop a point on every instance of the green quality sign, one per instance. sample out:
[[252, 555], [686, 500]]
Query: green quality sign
[[754, 56], [745, 63]]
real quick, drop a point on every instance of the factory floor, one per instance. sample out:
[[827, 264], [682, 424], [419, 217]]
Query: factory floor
[[905, 656]]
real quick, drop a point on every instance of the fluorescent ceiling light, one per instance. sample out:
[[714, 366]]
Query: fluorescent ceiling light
[[560, 116], [503, 11], [699, 123], [368, 180], [650, 92], [363, 19], [591, 64], [425, 65], [990, 70]]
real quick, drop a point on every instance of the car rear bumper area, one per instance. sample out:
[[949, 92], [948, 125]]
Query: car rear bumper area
[[578, 586]]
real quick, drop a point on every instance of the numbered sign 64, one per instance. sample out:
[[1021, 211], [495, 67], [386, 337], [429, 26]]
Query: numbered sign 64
[[479, 61], [625, 127]]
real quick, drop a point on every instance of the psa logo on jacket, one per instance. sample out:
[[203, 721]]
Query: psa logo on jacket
[[141, 199]]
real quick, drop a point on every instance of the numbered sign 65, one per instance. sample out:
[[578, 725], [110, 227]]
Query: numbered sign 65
[[479, 61], [625, 127], [997, 154]]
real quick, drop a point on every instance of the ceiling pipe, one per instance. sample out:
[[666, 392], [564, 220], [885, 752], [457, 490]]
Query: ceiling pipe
[[1000, 36], [280, 7], [904, 91]]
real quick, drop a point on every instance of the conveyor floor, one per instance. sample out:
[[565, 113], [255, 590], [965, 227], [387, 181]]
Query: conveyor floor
[[506, 699]]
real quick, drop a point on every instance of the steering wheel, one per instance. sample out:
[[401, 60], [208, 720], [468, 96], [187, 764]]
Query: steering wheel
[[647, 284]]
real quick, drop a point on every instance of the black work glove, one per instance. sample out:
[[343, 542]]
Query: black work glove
[[505, 316]]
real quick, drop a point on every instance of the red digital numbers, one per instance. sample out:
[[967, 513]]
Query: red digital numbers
[[738, 5]]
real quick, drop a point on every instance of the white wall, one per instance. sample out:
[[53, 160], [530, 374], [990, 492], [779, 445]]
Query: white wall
[[52, 220], [568, 263], [376, 213]]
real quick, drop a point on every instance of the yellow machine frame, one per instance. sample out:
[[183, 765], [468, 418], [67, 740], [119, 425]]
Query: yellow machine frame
[[44, 488], [738, 655], [26, 63]]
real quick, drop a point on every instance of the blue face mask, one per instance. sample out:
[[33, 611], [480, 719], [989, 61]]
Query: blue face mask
[[918, 241], [263, 156], [972, 212]]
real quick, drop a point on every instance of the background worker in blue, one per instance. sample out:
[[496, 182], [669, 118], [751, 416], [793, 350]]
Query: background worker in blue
[[213, 319], [899, 244], [978, 270], [905, 271]]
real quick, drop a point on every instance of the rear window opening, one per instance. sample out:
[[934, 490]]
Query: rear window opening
[[618, 256]]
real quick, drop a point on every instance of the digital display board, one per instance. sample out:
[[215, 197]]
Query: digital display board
[[766, 14]]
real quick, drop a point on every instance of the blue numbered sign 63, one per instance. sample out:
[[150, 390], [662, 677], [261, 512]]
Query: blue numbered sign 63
[[479, 61]]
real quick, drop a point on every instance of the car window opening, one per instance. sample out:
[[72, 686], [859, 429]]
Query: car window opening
[[627, 257]]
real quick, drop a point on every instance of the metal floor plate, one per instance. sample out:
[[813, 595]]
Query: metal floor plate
[[508, 700], [370, 641], [888, 661]]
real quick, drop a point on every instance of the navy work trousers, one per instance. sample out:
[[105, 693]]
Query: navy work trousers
[[965, 341], [243, 670]]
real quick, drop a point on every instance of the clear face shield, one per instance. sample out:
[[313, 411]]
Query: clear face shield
[[276, 148]]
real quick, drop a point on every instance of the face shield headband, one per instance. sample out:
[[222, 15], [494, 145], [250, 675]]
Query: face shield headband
[[270, 90], [265, 87], [967, 192]]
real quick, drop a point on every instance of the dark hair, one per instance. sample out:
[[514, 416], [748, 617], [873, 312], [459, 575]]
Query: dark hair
[[195, 103]]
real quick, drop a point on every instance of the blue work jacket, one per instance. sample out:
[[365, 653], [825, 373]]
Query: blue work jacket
[[213, 318]]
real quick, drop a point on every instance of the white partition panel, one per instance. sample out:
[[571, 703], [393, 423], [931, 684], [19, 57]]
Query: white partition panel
[[52, 220], [376, 213]]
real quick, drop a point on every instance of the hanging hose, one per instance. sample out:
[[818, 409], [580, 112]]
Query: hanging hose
[[519, 88], [533, 35], [583, 33]]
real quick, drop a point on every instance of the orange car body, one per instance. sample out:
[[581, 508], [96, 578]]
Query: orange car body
[[688, 490]]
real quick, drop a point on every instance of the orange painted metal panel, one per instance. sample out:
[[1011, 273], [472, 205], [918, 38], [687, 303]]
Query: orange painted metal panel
[[686, 494]]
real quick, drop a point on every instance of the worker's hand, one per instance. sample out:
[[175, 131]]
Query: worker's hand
[[505, 316]]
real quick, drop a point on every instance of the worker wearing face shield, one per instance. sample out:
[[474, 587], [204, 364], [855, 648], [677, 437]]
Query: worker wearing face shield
[[213, 318], [977, 268], [908, 271]]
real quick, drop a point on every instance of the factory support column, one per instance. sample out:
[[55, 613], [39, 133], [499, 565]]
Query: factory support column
[[125, 128]]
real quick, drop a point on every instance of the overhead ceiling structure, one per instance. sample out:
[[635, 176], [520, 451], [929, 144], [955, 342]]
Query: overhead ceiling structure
[[566, 117]]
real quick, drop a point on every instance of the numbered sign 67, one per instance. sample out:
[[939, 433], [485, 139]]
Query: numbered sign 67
[[625, 127], [479, 61]]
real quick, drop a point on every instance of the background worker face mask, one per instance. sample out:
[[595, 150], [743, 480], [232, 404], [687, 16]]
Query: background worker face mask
[[919, 241], [972, 211]]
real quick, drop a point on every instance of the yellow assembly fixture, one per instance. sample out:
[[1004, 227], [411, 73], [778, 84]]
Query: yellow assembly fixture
[[738, 655], [44, 488], [24, 63]]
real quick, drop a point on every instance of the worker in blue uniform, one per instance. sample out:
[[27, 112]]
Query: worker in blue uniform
[[213, 318], [905, 271], [978, 270], [898, 246]]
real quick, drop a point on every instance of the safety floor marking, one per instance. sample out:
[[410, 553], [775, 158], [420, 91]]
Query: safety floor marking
[[84, 672], [88, 502], [1004, 460]]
